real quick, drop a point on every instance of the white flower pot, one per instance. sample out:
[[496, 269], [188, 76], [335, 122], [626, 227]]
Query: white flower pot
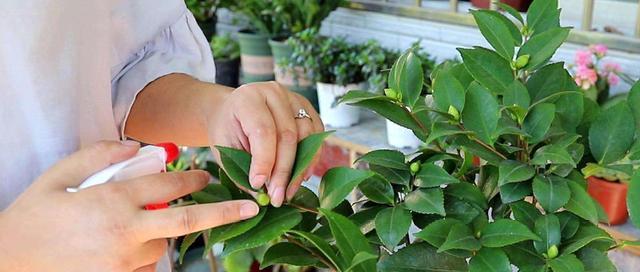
[[401, 137], [337, 115]]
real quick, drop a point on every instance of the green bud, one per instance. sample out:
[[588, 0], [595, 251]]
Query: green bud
[[525, 31], [415, 167], [263, 199], [522, 61], [454, 112], [391, 93], [552, 252]]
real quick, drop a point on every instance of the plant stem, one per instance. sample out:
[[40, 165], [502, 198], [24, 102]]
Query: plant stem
[[303, 208], [486, 146], [321, 258]]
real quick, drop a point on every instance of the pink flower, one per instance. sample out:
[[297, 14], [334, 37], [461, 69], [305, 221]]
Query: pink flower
[[585, 77], [612, 67], [599, 49], [613, 79], [584, 58]]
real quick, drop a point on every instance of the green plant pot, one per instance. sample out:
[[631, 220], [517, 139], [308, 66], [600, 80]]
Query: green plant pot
[[293, 79], [256, 58]]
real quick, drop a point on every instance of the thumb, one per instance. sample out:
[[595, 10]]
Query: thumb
[[71, 171]]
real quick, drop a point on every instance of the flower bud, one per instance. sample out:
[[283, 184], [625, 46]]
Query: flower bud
[[454, 112], [522, 61], [552, 252], [415, 167], [263, 199]]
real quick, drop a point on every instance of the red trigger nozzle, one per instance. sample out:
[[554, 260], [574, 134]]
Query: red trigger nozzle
[[171, 149]]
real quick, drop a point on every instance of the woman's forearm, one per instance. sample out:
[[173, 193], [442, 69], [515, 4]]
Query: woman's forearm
[[175, 108]]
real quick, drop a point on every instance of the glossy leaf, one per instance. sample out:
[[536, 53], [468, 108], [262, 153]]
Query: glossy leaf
[[566, 263], [304, 197], [349, 240], [406, 76], [595, 261], [516, 94], [513, 12], [538, 121], [551, 192], [581, 204], [490, 259], [460, 237], [511, 171], [512, 192], [570, 110], [460, 209], [338, 183], [394, 176], [498, 31], [386, 158], [431, 175], [543, 15], [392, 224], [186, 243], [476, 149], [448, 91], [382, 105], [236, 164], [360, 258], [377, 189], [524, 256], [436, 233], [525, 212], [633, 198], [322, 246], [569, 224], [287, 253], [633, 99], [503, 232], [481, 113], [211, 194], [306, 151], [547, 227], [275, 223], [611, 134], [585, 235], [487, 67], [441, 129], [426, 201], [548, 81], [226, 232], [468, 192], [552, 154], [421, 257], [541, 47]]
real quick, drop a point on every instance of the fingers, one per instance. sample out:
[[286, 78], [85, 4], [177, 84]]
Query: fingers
[[258, 125], [184, 220], [287, 135], [162, 187], [149, 254], [72, 170]]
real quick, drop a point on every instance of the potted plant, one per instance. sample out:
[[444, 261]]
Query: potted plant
[[519, 5], [594, 75], [264, 23], [524, 206], [205, 12], [226, 54], [616, 156], [298, 16]]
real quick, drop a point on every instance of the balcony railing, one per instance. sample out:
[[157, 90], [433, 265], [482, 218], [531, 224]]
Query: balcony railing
[[452, 13]]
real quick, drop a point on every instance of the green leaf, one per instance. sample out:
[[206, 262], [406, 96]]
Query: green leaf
[[498, 31], [512, 192], [490, 259], [377, 189], [392, 224], [516, 94], [611, 134], [595, 261], [461, 210], [538, 121], [566, 263], [569, 224], [525, 212], [569, 111], [431, 175], [543, 15], [476, 149], [349, 239], [548, 228], [406, 76], [426, 201], [551, 192], [338, 183], [226, 232], [236, 164], [395, 176], [467, 192], [488, 67], [436, 233], [386, 158], [511, 171], [523, 255], [211, 194], [322, 246], [304, 197], [306, 151], [633, 198], [548, 81], [421, 257], [460, 237], [581, 204], [448, 91], [276, 222], [541, 47], [186, 243], [513, 12], [287, 253], [360, 258], [585, 235], [481, 113], [552, 154], [633, 99], [503, 232], [441, 129]]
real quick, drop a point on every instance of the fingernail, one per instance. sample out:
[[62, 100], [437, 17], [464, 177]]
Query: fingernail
[[248, 210], [130, 143], [277, 197], [258, 181]]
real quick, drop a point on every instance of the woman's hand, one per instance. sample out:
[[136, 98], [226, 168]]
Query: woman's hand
[[260, 118], [104, 228]]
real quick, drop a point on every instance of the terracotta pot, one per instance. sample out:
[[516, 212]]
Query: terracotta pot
[[612, 196], [520, 5]]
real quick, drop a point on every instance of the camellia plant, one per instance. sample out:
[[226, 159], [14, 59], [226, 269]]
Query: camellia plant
[[524, 206]]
